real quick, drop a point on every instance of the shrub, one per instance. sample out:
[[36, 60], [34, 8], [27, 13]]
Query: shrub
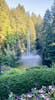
[[10, 51], [22, 82]]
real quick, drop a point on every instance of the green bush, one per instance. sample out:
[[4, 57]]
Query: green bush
[[21, 82], [10, 52]]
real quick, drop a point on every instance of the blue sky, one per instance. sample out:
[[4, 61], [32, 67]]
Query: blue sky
[[36, 6]]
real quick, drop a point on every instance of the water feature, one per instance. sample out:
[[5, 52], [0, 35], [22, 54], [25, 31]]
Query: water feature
[[29, 59], [28, 43]]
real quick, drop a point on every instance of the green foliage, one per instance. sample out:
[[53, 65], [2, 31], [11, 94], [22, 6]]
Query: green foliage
[[1, 59], [20, 83], [10, 51], [11, 60], [11, 39], [11, 96], [47, 34]]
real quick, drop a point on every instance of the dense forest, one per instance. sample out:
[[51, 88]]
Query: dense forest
[[17, 21], [14, 26]]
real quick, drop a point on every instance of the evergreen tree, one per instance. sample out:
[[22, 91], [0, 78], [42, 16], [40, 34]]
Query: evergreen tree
[[45, 28], [52, 44], [48, 34], [47, 16], [53, 17]]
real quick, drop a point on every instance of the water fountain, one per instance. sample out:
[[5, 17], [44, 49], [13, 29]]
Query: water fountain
[[28, 43], [29, 59]]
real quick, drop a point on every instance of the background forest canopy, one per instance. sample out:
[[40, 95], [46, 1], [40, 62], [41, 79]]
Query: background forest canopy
[[14, 26], [17, 21]]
